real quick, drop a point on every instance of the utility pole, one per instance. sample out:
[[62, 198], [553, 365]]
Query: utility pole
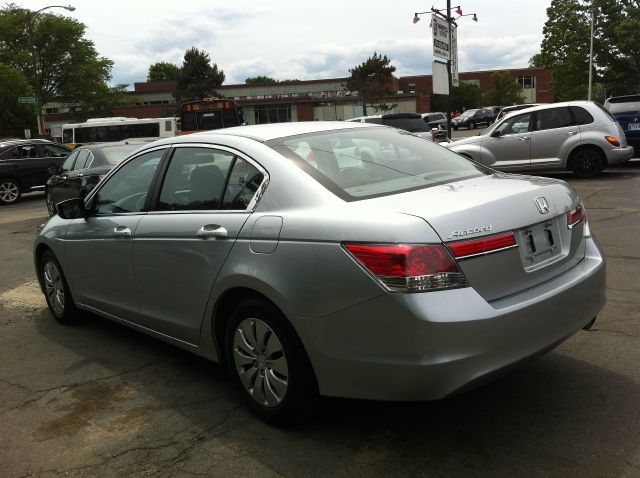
[[449, 23], [591, 55]]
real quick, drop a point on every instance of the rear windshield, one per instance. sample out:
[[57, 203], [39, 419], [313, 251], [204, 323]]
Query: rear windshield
[[631, 106], [115, 154], [362, 163]]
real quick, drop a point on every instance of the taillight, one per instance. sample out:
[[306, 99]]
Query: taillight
[[575, 216], [613, 140], [483, 245], [409, 267]]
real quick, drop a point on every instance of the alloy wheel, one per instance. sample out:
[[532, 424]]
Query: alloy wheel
[[260, 362], [53, 287], [9, 191]]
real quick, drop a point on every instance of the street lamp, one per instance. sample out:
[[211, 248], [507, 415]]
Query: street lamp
[[30, 17], [450, 20]]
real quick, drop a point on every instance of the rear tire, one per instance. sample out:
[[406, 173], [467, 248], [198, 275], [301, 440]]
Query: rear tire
[[56, 290], [587, 163], [10, 191], [269, 365]]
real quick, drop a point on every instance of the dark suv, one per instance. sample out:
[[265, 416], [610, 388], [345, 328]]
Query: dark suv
[[25, 165], [472, 118], [626, 110]]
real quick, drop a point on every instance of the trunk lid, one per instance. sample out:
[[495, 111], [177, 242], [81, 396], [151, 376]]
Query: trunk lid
[[480, 207]]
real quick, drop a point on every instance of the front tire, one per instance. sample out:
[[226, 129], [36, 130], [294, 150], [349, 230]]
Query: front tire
[[472, 125], [56, 290], [51, 207], [10, 191], [587, 163], [269, 365]]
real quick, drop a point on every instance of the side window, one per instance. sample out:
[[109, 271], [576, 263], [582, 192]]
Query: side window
[[195, 179], [23, 152], [51, 150], [126, 191], [553, 118], [68, 164], [581, 116], [242, 185], [516, 124], [81, 162]]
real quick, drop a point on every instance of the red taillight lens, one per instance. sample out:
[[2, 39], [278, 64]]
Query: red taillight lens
[[613, 140], [483, 245], [574, 217], [409, 268]]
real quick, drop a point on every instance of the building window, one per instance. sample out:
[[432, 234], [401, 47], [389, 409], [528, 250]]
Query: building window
[[272, 114], [527, 82], [412, 87]]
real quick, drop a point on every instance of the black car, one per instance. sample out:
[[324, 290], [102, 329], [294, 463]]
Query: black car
[[84, 168], [24, 166], [472, 118], [435, 120], [626, 110]]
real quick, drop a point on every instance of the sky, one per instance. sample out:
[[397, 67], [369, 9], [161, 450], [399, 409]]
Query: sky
[[305, 40]]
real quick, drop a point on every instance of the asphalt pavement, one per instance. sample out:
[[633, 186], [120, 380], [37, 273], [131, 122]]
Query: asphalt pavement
[[99, 399]]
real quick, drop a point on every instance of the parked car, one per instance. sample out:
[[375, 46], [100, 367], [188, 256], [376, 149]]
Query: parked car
[[626, 110], [494, 110], [580, 136], [411, 122], [435, 120], [472, 118], [24, 165], [510, 109], [407, 277], [84, 168]]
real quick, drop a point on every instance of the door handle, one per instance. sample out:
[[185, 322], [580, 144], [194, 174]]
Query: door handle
[[122, 231], [571, 132], [212, 230], [523, 138]]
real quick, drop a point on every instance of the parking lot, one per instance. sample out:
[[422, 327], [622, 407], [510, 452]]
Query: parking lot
[[99, 399]]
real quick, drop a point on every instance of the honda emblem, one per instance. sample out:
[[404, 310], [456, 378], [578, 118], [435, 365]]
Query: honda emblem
[[542, 204]]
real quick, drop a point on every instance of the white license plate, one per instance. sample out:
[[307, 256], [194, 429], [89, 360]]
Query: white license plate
[[634, 125]]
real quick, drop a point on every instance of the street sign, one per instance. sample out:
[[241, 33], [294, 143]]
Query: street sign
[[27, 134], [440, 30], [28, 99], [440, 78], [455, 81]]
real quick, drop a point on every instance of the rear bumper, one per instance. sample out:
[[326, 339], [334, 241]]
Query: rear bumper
[[427, 346], [619, 155]]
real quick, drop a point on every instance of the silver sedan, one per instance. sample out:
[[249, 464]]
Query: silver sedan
[[326, 258]]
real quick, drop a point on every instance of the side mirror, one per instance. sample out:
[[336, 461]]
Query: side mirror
[[496, 133], [71, 209], [52, 170]]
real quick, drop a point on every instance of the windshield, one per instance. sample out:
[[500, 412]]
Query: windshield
[[468, 113], [115, 154], [361, 163]]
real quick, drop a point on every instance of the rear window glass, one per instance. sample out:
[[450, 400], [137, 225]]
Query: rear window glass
[[622, 107], [362, 163], [115, 154], [581, 116]]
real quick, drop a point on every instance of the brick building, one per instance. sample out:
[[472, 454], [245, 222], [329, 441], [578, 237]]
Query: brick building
[[327, 99]]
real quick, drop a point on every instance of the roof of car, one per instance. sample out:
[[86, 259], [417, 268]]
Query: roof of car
[[267, 132], [14, 142]]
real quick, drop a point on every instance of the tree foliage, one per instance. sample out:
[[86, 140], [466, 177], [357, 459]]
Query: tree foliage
[[260, 79], [199, 77], [52, 52], [465, 96], [162, 71], [616, 48], [14, 117], [371, 79], [504, 90]]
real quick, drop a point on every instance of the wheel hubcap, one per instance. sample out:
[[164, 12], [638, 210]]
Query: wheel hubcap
[[9, 191], [53, 287], [260, 362]]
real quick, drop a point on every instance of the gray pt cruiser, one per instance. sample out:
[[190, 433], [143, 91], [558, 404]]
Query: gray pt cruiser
[[325, 258]]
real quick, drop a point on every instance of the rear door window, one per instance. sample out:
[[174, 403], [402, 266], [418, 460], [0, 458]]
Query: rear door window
[[553, 118], [581, 116]]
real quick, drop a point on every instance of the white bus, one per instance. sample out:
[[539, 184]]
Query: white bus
[[106, 130]]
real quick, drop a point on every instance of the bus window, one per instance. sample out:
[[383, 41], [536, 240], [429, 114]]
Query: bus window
[[67, 136], [209, 120], [189, 122], [229, 118]]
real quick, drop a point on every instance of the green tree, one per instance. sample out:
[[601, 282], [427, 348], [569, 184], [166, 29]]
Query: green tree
[[465, 96], [162, 70], [371, 79], [252, 80], [199, 77], [565, 47], [504, 90], [53, 54], [14, 117]]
